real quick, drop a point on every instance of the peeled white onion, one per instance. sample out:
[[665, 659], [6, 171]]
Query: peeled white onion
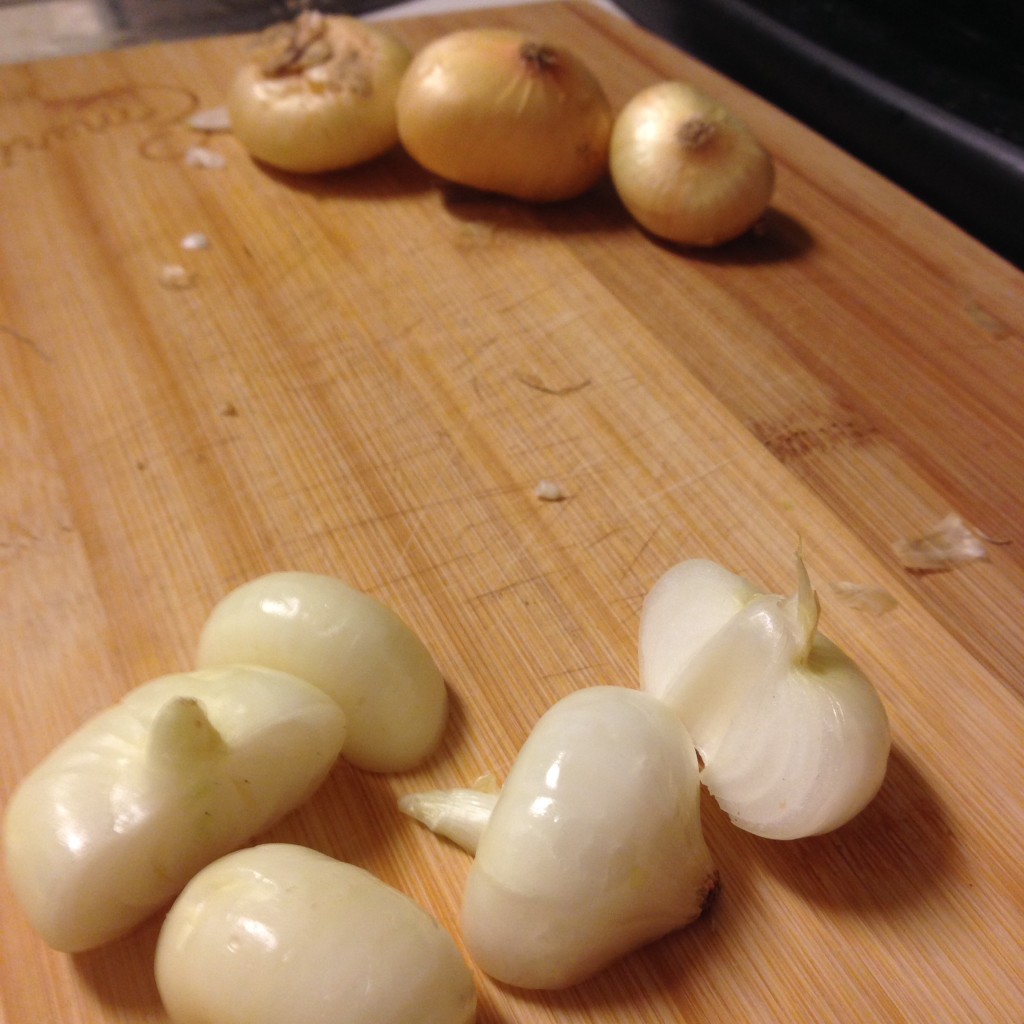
[[283, 933], [592, 848], [351, 646], [793, 737], [319, 95], [687, 169], [501, 111], [684, 610], [185, 768]]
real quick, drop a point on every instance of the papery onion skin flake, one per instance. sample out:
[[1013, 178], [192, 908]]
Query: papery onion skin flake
[[949, 543]]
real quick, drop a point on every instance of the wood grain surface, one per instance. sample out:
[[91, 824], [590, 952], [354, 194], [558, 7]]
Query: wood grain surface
[[368, 376]]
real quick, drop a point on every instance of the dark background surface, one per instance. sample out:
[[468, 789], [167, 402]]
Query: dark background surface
[[930, 94]]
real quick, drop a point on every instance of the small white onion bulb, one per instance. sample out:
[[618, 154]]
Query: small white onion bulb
[[346, 643], [500, 111], [593, 847], [282, 933], [118, 817], [793, 737], [320, 95], [687, 169]]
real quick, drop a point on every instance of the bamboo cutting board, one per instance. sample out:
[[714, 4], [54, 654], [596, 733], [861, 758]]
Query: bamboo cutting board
[[368, 375]]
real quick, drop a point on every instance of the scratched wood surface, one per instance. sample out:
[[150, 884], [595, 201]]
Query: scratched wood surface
[[369, 374]]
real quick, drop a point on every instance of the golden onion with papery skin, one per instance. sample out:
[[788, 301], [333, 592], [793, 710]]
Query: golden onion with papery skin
[[501, 111], [319, 94], [687, 169]]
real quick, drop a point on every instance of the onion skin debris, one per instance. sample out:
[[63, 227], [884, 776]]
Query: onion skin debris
[[793, 737], [284, 933], [187, 767], [500, 111]]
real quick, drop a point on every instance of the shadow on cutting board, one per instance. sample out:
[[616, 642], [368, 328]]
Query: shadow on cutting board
[[120, 974], [776, 238], [393, 175], [894, 854]]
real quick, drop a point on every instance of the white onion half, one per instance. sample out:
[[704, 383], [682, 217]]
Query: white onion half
[[351, 646], [793, 737], [283, 933], [185, 768], [688, 606]]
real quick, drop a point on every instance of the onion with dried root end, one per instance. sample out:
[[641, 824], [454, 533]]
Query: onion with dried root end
[[793, 737], [592, 848], [687, 169], [319, 94], [348, 644], [284, 933], [501, 111]]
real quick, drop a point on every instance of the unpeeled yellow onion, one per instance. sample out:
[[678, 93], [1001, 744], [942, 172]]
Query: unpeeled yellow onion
[[319, 94], [500, 111], [687, 169]]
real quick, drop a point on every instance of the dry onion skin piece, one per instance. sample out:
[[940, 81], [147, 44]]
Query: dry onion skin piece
[[686, 168], [502, 111], [351, 646], [592, 848], [864, 598], [460, 815], [319, 94], [204, 158], [211, 120], [793, 737], [187, 767], [948, 544], [283, 933]]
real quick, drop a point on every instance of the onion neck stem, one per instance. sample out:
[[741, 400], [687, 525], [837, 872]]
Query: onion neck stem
[[695, 132], [806, 610], [538, 57], [460, 815], [302, 45], [182, 735]]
